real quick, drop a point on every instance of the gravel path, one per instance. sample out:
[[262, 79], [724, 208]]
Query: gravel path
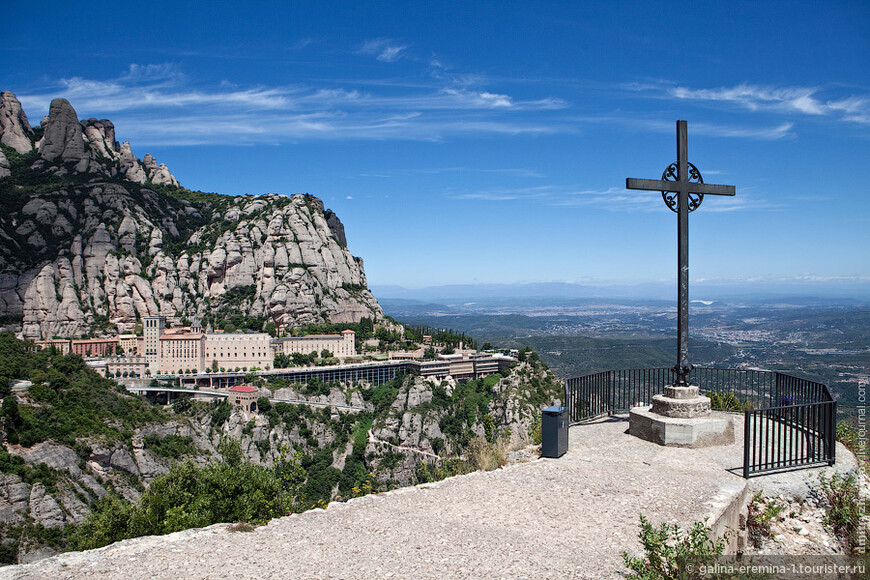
[[550, 518]]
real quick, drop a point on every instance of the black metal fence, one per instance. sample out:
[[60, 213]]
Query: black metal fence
[[788, 437], [789, 422]]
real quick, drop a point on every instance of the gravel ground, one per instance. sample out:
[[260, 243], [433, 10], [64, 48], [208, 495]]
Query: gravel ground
[[549, 518]]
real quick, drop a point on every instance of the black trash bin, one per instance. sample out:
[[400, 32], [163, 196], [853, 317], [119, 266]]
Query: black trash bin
[[554, 432]]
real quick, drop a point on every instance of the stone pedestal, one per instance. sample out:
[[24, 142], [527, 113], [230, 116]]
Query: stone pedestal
[[681, 418], [681, 402]]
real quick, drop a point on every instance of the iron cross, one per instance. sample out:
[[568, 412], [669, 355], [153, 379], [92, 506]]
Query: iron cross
[[683, 190]]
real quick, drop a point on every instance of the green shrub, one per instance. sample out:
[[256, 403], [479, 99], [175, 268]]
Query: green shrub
[[9, 552], [535, 430], [761, 514], [263, 447], [221, 414], [382, 396], [291, 477], [232, 490], [30, 474], [849, 435], [844, 508], [172, 446], [321, 478], [429, 472], [671, 552], [182, 404], [109, 522]]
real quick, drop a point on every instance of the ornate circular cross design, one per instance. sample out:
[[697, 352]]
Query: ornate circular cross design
[[672, 198]]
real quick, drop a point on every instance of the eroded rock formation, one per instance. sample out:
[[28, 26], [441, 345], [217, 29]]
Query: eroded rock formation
[[72, 146], [115, 251], [15, 129]]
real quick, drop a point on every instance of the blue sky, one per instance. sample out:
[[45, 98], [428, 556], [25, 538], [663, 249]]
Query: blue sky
[[480, 142]]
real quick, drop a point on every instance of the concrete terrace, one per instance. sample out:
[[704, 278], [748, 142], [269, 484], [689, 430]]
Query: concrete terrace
[[550, 518]]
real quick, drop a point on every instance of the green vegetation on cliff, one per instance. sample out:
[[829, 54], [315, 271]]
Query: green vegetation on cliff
[[66, 401], [230, 490]]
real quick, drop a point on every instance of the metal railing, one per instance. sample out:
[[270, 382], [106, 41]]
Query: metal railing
[[789, 437], [788, 421]]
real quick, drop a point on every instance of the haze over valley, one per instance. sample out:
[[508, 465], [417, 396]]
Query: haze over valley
[[824, 338]]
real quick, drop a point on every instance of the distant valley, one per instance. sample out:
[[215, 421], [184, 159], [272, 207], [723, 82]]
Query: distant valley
[[827, 339]]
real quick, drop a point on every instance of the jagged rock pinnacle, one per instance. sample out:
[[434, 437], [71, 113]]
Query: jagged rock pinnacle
[[14, 126], [63, 141]]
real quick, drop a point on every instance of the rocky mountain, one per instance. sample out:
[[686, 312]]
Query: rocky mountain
[[93, 237]]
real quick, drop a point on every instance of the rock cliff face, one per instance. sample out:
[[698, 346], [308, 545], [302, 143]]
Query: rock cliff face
[[420, 424], [5, 170], [15, 131], [89, 238]]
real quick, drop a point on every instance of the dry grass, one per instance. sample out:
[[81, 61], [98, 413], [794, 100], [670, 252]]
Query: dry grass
[[486, 456]]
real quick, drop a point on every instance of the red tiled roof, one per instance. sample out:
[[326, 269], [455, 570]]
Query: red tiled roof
[[243, 389]]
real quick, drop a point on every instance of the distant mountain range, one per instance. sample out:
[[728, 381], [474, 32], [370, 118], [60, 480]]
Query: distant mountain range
[[564, 292]]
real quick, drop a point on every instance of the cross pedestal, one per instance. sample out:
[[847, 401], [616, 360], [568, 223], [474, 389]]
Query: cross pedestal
[[702, 431], [681, 416], [683, 402]]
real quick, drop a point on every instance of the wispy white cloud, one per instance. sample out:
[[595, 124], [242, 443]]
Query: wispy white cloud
[[755, 132], [505, 194], [301, 43], [781, 131], [158, 104], [136, 93], [799, 100], [817, 278], [512, 171], [486, 100], [383, 49], [152, 72], [610, 199], [481, 99], [743, 202]]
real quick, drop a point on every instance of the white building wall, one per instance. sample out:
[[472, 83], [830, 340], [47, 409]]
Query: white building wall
[[181, 352], [243, 350], [340, 345]]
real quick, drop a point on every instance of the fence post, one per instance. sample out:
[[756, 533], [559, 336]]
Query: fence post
[[565, 400], [746, 445]]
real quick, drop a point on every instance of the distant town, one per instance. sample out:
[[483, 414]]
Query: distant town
[[825, 339]]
